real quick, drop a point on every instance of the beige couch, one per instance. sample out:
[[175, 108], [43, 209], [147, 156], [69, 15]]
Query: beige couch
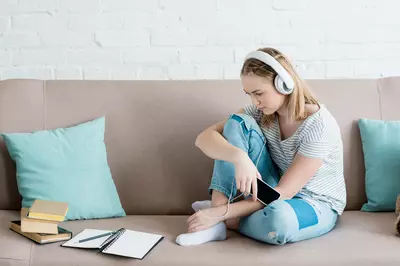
[[151, 127]]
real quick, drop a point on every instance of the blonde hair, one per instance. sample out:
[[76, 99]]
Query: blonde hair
[[301, 94]]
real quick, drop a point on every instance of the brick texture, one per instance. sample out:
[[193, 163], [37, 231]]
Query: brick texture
[[180, 39]]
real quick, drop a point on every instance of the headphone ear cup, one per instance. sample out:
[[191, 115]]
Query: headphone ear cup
[[278, 82], [281, 86]]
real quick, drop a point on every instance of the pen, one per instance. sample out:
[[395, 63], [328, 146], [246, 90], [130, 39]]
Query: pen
[[95, 237]]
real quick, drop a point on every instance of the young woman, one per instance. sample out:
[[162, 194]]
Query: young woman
[[286, 138]]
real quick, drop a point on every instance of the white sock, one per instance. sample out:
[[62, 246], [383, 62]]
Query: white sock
[[215, 233], [201, 205]]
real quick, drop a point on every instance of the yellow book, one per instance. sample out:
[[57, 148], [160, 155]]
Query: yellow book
[[48, 210], [31, 225]]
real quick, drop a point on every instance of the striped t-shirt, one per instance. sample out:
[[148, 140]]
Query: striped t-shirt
[[317, 137]]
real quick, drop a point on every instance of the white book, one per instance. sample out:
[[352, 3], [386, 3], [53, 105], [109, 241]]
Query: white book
[[123, 242]]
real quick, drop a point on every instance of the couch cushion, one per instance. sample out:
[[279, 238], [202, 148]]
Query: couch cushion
[[66, 165], [389, 92], [152, 125], [359, 238], [381, 148]]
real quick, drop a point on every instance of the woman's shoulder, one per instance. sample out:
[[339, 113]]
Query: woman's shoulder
[[319, 113], [311, 109], [320, 120]]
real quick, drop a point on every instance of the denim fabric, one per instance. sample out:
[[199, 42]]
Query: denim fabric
[[242, 131], [279, 222], [282, 221]]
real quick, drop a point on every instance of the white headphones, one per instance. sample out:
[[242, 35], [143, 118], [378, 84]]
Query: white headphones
[[283, 81]]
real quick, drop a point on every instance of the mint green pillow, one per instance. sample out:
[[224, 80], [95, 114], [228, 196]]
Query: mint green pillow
[[68, 165], [381, 148]]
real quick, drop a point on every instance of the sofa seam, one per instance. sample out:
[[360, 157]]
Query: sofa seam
[[44, 105], [16, 259], [379, 98]]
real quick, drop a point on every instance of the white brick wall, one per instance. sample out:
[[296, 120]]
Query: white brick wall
[[187, 39]]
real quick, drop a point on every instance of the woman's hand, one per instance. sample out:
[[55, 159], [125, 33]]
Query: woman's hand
[[205, 219], [246, 174]]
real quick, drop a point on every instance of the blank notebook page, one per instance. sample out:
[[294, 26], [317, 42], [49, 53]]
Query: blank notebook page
[[133, 244]]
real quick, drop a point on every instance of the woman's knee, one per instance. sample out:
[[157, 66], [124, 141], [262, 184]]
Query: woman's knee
[[241, 122], [282, 220], [275, 224], [238, 129]]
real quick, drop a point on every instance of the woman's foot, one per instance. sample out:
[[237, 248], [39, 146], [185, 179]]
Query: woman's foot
[[204, 226], [206, 218], [201, 205], [215, 233], [232, 224]]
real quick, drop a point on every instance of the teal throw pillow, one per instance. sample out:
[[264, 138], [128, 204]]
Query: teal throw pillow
[[68, 165], [381, 148]]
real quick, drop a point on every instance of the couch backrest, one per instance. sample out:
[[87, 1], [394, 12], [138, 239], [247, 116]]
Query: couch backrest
[[151, 127]]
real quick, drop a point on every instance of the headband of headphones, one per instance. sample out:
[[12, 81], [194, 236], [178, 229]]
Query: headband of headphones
[[272, 62]]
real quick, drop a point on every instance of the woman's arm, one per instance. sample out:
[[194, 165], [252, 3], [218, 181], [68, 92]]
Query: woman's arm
[[313, 148], [241, 208], [299, 173], [215, 146], [206, 218]]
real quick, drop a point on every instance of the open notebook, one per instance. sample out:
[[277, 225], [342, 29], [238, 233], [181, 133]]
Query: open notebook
[[123, 242]]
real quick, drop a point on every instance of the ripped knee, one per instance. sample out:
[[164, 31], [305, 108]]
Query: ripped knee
[[275, 224], [286, 218], [281, 223]]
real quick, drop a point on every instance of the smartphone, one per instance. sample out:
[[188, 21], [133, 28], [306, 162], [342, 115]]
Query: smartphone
[[266, 194]]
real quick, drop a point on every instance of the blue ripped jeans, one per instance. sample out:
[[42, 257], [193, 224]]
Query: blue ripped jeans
[[282, 221]]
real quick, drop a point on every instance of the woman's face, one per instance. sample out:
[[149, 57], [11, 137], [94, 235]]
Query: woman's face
[[262, 93]]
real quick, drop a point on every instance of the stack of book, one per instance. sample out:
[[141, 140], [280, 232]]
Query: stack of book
[[40, 222]]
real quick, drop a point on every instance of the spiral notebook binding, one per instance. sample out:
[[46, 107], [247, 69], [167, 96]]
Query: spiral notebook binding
[[105, 246]]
